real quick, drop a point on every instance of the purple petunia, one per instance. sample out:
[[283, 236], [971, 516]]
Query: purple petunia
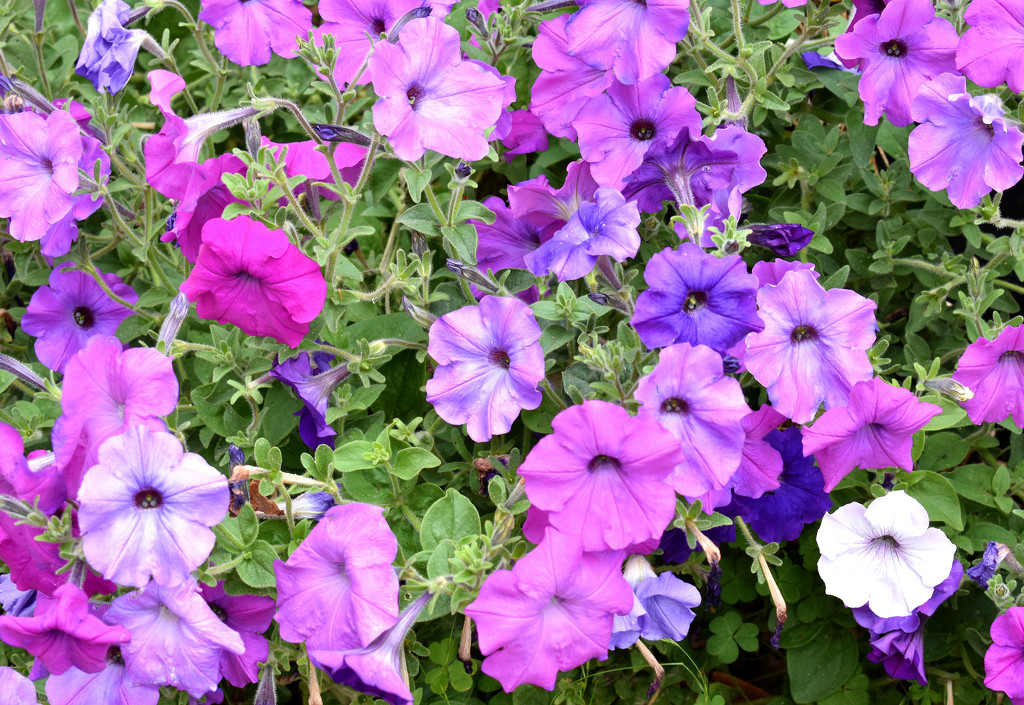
[[250, 616], [489, 365], [898, 50], [250, 32], [313, 379], [72, 309], [109, 51], [663, 608], [540, 205], [696, 298], [505, 243], [185, 227], [430, 98], [994, 371], [612, 489], [16, 688], [963, 143], [784, 239], [146, 508], [1004, 660], [814, 344], [110, 686], [989, 51]]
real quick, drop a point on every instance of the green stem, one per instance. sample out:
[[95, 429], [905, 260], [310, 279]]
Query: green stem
[[339, 240], [225, 568], [434, 205], [412, 518]]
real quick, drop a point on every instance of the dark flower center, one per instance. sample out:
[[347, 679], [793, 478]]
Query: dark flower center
[[694, 300], [642, 130], [114, 655], [674, 405], [894, 48], [801, 334], [499, 358], [219, 611], [46, 164], [377, 27], [83, 317], [148, 499], [887, 541], [415, 92], [604, 462], [245, 276], [1012, 356]]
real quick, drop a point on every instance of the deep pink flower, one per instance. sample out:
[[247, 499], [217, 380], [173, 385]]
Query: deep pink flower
[[1004, 660], [994, 371], [256, 278], [44, 485], [249, 32], [526, 135], [989, 53], [185, 226]]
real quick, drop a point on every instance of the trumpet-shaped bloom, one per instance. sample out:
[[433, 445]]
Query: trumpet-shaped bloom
[[109, 51], [1004, 660], [146, 508], [489, 365], [16, 689], [256, 278], [963, 144], [696, 298], [663, 608], [994, 371], [505, 243], [430, 98], [62, 633], [313, 387], [606, 227], [612, 489], [72, 309], [250, 32], [338, 590], [898, 51], [250, 616], [540, 205], [989, 51], [110, 686], [688, 394], [634, 40], [44, 485], [552, 612], [875, 431], [185, 227], [814, 344], [883, 556], [177, 639]]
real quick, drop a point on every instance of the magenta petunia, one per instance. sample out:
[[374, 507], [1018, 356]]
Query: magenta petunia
[[430, 98], [761, 463], [250, 616], [505, 243], [255, 278], [72, 309], [813, 348], [146, 508], [989, 52], [874, 431], [552, 612], [185, 226], [338, 589], [526, 135], [994, 371], [963, 144], [27, 481], [536, 202], [1004, 660], [612, 489], [898, 51], [250, 32]]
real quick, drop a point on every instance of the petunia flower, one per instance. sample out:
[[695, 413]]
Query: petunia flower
[[250, 32], [874, 431], [429, 97], [898, 51], [540, 205], [256, 278], [146, 509], [884, 556], [995, 553], [688, 394], [761, 463], [313, 387], [663, 608], [526, 135], [62, 633], [489, 365], [617, 128], [177, 639], [1004, 660], [770, 273], [696, 298], [15, 602], [994, 371], [989, 51], [963, 144], [338, 589], [552, 612], [73, 308], [784, 239], [185, 226], [505, 243], [250, 616], [43, 486], [16, 688], [110, 686], [814, 344], [612, 489], [110, 49]]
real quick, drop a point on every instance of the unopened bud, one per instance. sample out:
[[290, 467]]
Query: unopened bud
[[463, 171], [419, 244], [266, 690], [784, 239], [950, 388], [251, 128], [550, 5], [422, 316], [172, 323], [472, 275], [477, 21], [414, 14], [235, 456], [340, 133], [21, 371], [613, 301]]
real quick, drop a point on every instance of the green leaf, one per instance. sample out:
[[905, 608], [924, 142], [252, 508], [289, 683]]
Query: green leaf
[[938, 497], [350, 456], [462, 239], [416, 181], [821, 667], [474, 210], [411, 460], [258, 570], [420, 218], [451, 517], [248, 525], [943, 450]]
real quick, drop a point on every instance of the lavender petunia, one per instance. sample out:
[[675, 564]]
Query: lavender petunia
[[994, 371], [250, 32], [489, 365], [696, 298], [313, 387], [771, 273], [16, 689], [666, 606], [874, 431], [110, 49], [540, 205], [606, 227], [995, 553], [15, 602], [505, 243], [898, 50], [72, 309], [963, 144], [989, 51], [761, 464], [111, 686], [813, 347], [146, 508]]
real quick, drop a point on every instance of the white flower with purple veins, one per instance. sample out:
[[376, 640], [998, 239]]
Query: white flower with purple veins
[[883, 556]]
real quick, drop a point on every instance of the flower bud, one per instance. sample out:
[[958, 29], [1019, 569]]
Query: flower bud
[[251, 128], [950, 388], [172, 323], [785, 240], [472, 275], [21, 371], [463, 171], [339, 133], [414, 14], [477, 21]]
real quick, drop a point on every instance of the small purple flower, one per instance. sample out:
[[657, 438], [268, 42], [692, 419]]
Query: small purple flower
[[605, 227], [989, 51], [898, 50], [785, 240], [250, 616], [666, 606], [313, 379], [1004, 660], [505, 244], [72, 309], [994, 371], [963, 144], [489, 365], [109, 51], [813, 347], [540, 205], [146, 508], [249, 32], [177, 639], [429, 97], [696, 298], [990, 560]]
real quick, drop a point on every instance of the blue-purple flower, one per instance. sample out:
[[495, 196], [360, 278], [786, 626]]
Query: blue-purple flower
[[110, 49], [313, 379], [663, 608]]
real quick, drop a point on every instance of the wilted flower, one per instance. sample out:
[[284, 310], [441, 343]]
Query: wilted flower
[[110, 49], [784, 239], [313, 379], [663, 608]]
